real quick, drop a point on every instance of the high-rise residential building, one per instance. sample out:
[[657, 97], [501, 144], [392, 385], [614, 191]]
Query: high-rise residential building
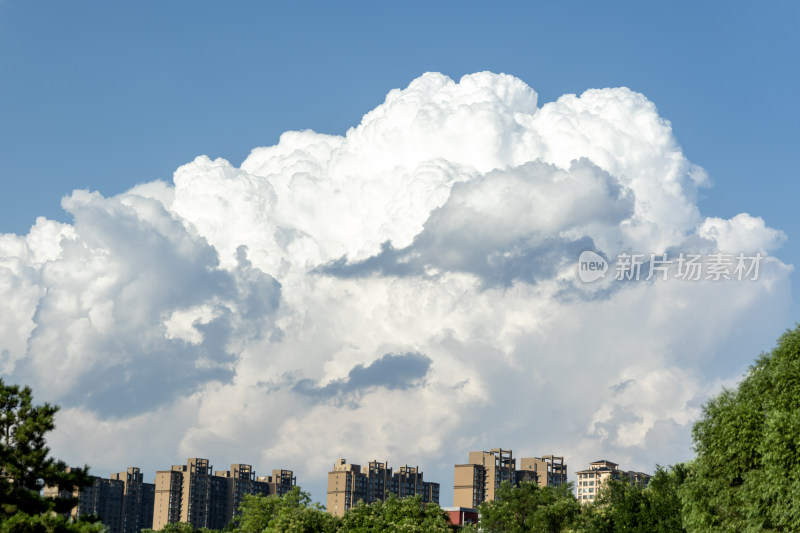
[[169, 491], [242, 480], [280, 482], [407, 481], [124, 502], [549, 470], [191, 493], [478, 480], [103, 498], [138, 498], [349, 483], [591, 480]]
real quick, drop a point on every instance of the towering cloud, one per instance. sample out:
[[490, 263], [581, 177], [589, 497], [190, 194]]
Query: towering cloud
[[407, 291]]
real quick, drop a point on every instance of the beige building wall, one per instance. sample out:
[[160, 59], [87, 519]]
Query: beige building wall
[[468, 486], [283, 481], [345, 482], [167, 505]]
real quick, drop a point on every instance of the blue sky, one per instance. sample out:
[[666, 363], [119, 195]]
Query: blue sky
[[104, 96], [107, 95]]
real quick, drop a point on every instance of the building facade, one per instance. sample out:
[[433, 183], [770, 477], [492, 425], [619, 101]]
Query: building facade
[[138, 499], [350, 483], [477, 480], [280, 482], [191, 493], [548, 470], [124, 502], [103, 498], [591, 480]]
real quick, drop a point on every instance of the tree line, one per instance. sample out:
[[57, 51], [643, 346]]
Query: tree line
[[745, 477]]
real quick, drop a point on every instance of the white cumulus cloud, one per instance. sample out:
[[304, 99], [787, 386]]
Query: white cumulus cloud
[[407, 291]]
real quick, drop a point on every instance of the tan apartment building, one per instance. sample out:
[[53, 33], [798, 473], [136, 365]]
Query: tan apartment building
[[241, 480], [350, 483], [138, 499], [591, 480], [280, 482], [191, 493], [548, 470], [477, 480], [124, 502]]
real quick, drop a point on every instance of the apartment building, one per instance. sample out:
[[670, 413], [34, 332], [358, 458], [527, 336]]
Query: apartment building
[[407, 482], [478, 480], [138, 499], [591, 480], [548, 470], [124, 502], [103, 498], [280, 482], [350, 483], [242, 480], [191, 493]]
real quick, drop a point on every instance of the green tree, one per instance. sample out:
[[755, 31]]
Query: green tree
[[407, 515], [293, 512], [48, 523], [183, 527], [664, 495], [25, 467], [528, 507], [746, 476]]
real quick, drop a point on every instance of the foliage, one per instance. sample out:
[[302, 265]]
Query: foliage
[[408, 515], [746, 476], [47, 523], [293, 512], [528, 507], [622, 506], [180, 527], [25, 467]]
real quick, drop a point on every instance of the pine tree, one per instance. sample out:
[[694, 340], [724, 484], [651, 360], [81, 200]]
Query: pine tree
[[25, 465]]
